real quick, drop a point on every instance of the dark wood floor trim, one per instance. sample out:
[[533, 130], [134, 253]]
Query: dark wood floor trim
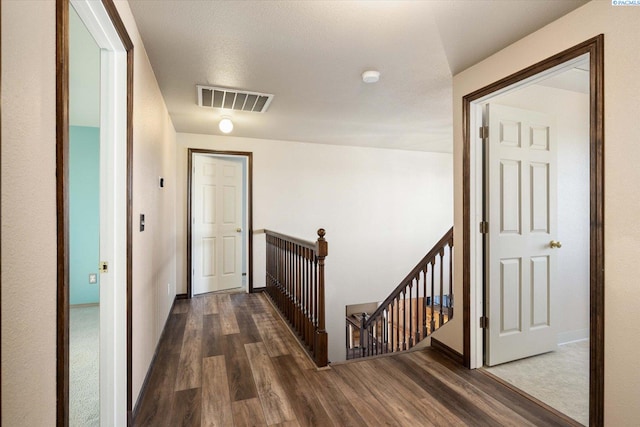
[[249, 157], [181, 296], [533, 399], [595, 48], [145, 383], [447, 351]]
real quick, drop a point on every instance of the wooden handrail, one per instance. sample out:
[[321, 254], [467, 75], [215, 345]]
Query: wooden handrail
[[301, 242], [410, 313], [295, 284], [446, 239]]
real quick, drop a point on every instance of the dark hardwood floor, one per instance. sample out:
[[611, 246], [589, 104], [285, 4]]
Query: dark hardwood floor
[[228, 360]]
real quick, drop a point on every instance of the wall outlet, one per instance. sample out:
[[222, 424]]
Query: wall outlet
[[168, 288], [93, 278]]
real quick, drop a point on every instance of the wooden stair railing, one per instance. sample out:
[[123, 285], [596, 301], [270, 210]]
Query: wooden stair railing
[[419, 305], [295, 284]]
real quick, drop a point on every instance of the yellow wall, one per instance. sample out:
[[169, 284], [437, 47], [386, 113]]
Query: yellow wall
[[621, 28]]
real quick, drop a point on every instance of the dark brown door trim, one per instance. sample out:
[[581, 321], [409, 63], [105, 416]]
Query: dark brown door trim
[[62, 200], [249, 156], [595, 48]]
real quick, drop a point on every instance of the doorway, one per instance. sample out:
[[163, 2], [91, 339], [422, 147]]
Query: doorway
[[84, 224], [536, 294], [111, 156], [477, 235], [219, 221]]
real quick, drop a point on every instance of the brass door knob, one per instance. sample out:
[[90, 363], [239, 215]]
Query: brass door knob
[[239, 230], [555, 244]]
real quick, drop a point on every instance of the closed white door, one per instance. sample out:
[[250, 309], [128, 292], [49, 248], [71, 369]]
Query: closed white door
[[522, 225], [216, 224]]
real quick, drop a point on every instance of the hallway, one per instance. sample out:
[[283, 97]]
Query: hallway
[[228, 359]]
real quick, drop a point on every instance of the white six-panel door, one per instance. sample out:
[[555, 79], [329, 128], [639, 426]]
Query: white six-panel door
[[522, 222], [216, 224]]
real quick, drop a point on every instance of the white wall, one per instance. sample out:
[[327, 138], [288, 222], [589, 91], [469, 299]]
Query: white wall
[[153, 249], [571, 113], [382, 209], [29, 212], [622, 202]]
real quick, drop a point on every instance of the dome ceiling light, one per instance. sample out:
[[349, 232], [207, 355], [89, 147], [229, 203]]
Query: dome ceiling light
[[371, 76], [225, 125]]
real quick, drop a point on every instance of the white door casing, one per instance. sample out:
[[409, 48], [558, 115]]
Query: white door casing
[[522, 170], [216, 224], [113, 211]]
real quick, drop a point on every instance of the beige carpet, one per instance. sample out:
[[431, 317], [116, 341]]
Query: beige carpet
[[560, 378], [84, 356]]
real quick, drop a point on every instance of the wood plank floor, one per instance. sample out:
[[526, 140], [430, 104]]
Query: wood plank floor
[[228, 360]]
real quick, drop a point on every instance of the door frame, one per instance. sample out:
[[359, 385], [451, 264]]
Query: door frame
[[124, 224], [472, 241], [248, 156]]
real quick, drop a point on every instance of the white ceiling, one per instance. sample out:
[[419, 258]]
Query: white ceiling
[[311, 54]]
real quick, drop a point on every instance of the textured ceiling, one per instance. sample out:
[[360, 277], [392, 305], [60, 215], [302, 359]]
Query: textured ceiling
[[311, 54]]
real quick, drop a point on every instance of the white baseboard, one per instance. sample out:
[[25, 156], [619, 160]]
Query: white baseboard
[[570, 336]]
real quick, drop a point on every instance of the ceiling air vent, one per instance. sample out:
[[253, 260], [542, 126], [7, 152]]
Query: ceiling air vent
[[233, 99]]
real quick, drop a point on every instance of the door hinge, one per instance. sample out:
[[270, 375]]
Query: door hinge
[[484, 132], [103, 267], [484, 227], [484, 322]]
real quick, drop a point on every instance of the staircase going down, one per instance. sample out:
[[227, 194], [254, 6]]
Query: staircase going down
[[418, 306]]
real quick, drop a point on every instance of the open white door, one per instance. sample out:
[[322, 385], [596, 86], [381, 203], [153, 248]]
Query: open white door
[[216, 224], [522, 227]]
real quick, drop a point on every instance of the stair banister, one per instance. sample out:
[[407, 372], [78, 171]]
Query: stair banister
[[380, 332], [295, 284]]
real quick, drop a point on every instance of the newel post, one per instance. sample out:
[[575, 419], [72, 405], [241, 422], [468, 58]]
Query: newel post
[[321, 333]]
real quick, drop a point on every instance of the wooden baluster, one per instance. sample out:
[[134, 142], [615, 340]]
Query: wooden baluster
[[315, 299], [279, 275], [348, 339], [397, 325], [410, 344], [296, 269], [441, 317], [301, 325], [291, 282], [310, 256], [433, 322], [362, 335], [307, 295], [385, 330], [392, 333], [404, 320], [450, 298], [416, 321], [424, 302]]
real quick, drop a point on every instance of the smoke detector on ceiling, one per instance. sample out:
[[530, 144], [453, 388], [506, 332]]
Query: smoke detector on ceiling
[[233, 99], [371, 76]]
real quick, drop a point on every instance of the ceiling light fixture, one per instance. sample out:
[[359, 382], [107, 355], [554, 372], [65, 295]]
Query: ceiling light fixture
[[371, 76], [225, 125]]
